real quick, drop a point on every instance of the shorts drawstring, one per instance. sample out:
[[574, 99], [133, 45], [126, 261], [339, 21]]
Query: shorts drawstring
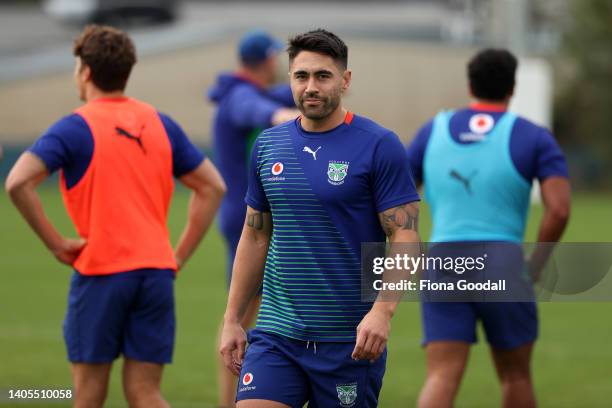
[[314, 345]]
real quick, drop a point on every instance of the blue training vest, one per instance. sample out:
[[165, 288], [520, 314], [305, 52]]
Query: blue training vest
[[474, 190]]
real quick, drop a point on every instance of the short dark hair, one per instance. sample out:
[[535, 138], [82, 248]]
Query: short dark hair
[[109, 53], [491, 74], [320, 41]]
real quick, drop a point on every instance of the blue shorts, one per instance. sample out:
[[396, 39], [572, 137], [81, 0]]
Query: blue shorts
[[294, 372], [507, 325], [129, 313]]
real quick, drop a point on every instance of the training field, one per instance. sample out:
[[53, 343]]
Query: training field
[[572, 361]]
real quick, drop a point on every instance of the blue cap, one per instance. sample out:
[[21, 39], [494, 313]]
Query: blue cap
[[256, 46]]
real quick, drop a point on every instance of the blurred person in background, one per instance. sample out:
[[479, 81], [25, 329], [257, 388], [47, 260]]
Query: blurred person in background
[[477, 165], [117, 157], [247, 103]]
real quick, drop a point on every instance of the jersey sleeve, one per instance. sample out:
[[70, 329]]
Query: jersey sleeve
[[282, 94], [255, 195], [392, 182], [248, 108], [550, 160], [58, 145], [185, 156], [67, 145], [416, 151]]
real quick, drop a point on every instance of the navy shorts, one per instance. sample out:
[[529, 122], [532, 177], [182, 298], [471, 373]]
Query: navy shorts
[[294, 372], [507, 325], [129, 313]]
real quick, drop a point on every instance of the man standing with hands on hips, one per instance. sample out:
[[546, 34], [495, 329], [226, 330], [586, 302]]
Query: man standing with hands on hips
[[117, 157]]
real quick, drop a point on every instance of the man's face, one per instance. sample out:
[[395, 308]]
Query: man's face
[[317, 84], [80, 77]]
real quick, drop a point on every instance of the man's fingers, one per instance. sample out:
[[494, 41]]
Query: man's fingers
[[76, 245], [359, 344], [227, 357], [240, 351], [368, 347], [373, 355]]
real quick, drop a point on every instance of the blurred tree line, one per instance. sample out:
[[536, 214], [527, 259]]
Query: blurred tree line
[[583, 107]]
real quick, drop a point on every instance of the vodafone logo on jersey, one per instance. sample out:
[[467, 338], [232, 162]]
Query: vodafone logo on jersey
[[277, 168], [247, 379], [481, 123]]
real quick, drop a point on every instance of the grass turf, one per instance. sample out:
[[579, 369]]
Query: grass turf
[[571, 364]]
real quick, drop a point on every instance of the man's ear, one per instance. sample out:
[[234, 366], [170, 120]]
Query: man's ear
[[347, 76], [85, 73]]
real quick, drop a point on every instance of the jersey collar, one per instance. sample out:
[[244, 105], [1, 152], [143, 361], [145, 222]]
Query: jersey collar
[[480, 106]]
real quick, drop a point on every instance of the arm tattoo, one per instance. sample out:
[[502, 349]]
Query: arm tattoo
[[255, 220], [403, 217]]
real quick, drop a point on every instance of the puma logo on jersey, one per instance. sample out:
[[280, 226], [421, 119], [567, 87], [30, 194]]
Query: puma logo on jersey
[[463, 180], [309, 150], [137, 139]]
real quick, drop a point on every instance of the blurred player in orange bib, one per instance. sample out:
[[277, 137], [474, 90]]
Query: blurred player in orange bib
[[118, 157]]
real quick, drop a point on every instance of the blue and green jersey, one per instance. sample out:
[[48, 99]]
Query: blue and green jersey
[[324, 191]]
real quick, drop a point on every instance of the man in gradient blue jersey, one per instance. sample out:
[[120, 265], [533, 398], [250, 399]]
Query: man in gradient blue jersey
[[247, 103], [477, 165], [319, 186]]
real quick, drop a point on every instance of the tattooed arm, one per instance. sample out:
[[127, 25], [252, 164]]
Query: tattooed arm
[[400, 225], [247, 277]]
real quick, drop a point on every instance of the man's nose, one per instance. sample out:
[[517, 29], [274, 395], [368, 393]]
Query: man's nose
[[311, 86]]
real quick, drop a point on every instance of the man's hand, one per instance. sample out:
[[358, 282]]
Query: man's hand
[[232, 346], [372, 335], [68, 250]]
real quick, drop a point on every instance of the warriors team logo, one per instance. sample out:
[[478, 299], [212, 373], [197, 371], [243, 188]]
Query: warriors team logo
[[347, 394], [336, 172], [277, 168], [481, 123], [247, 379]]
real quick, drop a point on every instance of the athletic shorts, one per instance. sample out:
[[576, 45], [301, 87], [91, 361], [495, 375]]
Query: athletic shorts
[[509, 318], [129, 313], [507, 325], [294, 372]]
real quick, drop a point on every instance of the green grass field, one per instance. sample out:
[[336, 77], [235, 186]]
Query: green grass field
[[572, 364]]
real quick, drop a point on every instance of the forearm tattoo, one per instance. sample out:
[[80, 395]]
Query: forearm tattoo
[[255, 220], [402, 217]]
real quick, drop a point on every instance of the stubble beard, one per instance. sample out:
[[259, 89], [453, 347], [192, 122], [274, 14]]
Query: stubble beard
[[317, 113]]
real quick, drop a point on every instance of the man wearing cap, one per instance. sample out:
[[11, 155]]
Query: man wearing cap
[[247, 103]]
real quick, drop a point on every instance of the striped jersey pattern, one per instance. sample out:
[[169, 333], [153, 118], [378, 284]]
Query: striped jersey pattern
[[312, 284]]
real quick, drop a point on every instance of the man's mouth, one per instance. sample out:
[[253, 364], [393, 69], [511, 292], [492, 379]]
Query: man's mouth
[[313, 101]]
